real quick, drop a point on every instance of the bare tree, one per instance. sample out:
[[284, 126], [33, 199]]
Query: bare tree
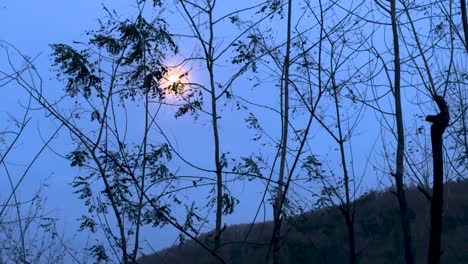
[[315, 60], [309, 78], [28, 231], [206, 21], [399, 173], [439, 124]]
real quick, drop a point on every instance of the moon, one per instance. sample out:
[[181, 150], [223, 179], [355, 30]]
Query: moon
[[171, 79]]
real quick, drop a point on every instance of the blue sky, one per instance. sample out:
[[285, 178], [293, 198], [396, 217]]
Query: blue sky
[[31, 26]]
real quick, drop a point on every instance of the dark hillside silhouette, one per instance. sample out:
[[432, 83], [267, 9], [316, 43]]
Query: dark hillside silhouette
[[320, 236]]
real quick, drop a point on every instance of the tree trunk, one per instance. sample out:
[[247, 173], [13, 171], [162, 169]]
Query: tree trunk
[[439, 124], [347, 212], [404, 213], [219, 175], [464, 22], [280, 197], [351, 238]]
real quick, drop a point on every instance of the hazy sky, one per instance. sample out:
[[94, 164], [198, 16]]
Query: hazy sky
[[32, 25]]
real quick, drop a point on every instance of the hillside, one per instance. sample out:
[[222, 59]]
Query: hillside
[[320, 236]]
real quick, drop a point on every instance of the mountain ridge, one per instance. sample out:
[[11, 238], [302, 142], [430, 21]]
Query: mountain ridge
[[320, 236]]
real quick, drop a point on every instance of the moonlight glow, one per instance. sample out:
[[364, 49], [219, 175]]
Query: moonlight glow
[[174, 82], [171, 79]]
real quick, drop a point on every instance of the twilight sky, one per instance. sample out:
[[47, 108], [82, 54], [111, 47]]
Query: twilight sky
[[30, 26]]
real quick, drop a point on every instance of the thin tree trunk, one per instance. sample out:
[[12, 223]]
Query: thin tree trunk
[[214, 114], [404, 212], [464, 21], [351, 238], [346, 211], [219, 179], [102, 170], [141, 190], [439, 124], [208, 49], [277, 208]]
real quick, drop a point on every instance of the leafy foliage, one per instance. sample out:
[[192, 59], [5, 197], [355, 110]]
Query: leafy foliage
[[249, 166], [313, 166], [191, 107], [78, 157], [135, 51], [123, 58], [99, 253], [79, 71]]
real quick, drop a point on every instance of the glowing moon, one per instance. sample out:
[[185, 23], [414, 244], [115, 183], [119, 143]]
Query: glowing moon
[[171, 79], [173, 82]]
